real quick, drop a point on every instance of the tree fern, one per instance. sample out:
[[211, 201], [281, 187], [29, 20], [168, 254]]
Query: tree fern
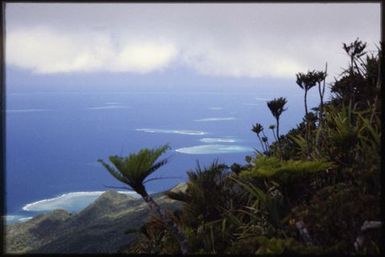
[[133, 170], [136, 167]]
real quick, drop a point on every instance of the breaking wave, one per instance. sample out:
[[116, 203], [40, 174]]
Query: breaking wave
[[26, 110], [216, 108], [218, 140], [12, 219], [73, 201], [214, 149], [173, 131], [216, 119], [108, 106]]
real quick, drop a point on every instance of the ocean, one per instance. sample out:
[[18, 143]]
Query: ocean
[[54, 138]]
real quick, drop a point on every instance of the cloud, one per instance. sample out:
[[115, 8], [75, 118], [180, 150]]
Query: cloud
[[44, 50], [233, 40], [242, 61], [143, 57]]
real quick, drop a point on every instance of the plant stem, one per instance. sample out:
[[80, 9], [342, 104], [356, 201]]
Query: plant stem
[[378, 86], [260, 140], [266, 143], [321, 109], [154, 207], [305, 100], [279, 140]]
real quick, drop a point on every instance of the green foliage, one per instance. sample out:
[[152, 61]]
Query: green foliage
[[236, 168], [336, 213], [243, 246], [285, 171], [308, 80], [349, 129], [257, 128], [262, 245], [154, 239], [324, 173], [205, 192], [284, 246], [136, 167], [355, 49], [264, 206], [276, 106], [320, 76], [133, 170], [300, 145], [208, 195], [360, 83]]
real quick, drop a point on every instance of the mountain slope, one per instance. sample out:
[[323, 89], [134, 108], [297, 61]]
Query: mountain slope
[[99, 228]]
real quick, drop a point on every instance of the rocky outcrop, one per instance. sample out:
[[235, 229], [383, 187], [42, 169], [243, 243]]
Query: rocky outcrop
[[99, 228]]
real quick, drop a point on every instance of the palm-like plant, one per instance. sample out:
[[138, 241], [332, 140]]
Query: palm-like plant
[[355, 50], [133, 170], [306, 82], [276, 107], [320, 77], [272, 127], [257, 129]]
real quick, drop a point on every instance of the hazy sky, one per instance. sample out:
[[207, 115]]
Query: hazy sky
[[226, 40]]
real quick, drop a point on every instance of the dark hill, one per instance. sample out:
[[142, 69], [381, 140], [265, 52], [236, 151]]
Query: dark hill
[[99, 228]]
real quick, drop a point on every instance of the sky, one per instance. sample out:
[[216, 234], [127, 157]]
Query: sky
[[220, 40]]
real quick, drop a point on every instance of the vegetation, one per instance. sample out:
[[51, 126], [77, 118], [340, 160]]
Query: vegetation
[[258, 129], [309, 192], [276, 107], [133, 170]]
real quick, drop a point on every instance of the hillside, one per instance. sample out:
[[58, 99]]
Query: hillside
[[99, 228]]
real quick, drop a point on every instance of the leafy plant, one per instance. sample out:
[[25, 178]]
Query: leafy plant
[[258, 129], [285, 171], [276, 107], [133, 170], [325, 176]]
